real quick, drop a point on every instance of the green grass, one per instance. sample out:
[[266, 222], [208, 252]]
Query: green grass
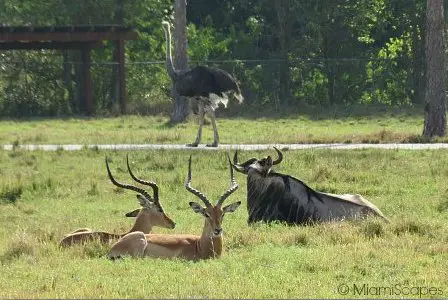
[[61, 191], [338, 126]]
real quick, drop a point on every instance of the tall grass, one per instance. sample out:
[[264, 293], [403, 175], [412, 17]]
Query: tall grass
[[62, 191]]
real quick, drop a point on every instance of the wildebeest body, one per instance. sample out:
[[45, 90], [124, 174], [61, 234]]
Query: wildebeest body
[[272, 196], [279, 197]]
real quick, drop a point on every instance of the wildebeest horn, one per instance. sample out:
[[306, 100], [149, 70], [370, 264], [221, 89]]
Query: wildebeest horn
[[127, 186], [152, 184], [233, 187], [279, 159], [241, 167], [193, 190]]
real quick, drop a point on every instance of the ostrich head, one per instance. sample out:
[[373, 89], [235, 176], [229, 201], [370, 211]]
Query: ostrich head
[[166, 26]]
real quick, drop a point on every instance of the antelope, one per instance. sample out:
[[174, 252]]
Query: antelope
[[149, 215], [190, 247], [273, 196]]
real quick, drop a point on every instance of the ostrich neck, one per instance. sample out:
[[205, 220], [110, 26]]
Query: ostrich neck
[[172, 72]]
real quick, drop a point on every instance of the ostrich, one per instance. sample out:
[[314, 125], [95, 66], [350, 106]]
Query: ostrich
[[208, 86]]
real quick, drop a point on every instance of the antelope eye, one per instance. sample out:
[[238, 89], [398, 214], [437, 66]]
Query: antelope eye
[[207, 215]]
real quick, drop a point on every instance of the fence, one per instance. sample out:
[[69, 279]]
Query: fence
[[38, 84]]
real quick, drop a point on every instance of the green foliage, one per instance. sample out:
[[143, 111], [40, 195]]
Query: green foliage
[[32, 85], [320, 52], [205, 43]]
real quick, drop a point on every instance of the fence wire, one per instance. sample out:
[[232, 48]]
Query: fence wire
[[46, 85]]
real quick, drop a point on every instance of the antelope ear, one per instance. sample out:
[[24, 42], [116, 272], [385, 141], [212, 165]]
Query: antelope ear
[[231, 207], [133, 213], [197, 208], [143, 201]]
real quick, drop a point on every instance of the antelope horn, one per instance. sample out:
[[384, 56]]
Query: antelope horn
[[152, 184], [280, 157], [241, 167], [193, 190], [233, 187], [127, 186]]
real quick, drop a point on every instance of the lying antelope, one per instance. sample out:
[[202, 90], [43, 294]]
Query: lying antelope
[[273, 196], [190, 247], [151, 214]]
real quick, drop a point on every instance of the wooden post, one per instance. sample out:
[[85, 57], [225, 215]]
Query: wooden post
[[122, 75], [68, 78], [87, 81]]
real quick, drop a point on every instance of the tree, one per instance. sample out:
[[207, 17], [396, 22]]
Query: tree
[[284, 33], [435, 107], [181, 107], [115, 84]]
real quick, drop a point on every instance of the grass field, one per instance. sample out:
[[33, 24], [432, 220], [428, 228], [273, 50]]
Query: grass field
[[366, 125], [44, 195]]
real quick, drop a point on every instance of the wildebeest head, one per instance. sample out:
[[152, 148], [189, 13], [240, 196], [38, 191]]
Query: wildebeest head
[[262, 166]]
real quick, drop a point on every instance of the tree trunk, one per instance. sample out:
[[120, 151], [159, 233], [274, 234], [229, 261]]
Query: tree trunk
[[328, 52], [329, 71], [115, 82], [87, 91], [418, 66], [435, 107], [181, 106], [77, 95], [331, 83], [284, 33]]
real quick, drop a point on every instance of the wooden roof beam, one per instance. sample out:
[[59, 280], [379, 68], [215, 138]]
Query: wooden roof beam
[[48, 45], [67, 36]]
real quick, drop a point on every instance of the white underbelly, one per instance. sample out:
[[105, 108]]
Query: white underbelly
[[215, 100]]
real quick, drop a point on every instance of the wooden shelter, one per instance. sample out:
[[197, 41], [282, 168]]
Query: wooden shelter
[[81, 37]]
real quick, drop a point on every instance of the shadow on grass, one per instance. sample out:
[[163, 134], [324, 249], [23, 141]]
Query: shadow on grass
[[10, 193]]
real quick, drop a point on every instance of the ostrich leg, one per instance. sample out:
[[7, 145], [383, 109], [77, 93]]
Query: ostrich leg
[[211, 113], [201, 122]]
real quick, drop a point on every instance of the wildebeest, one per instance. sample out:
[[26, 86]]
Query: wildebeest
[[272, 196]]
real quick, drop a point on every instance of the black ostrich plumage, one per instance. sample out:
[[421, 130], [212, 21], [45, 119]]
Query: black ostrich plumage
[[201, 81]]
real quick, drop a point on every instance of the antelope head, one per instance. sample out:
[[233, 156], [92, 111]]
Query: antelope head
[[213, 214], [262, 166], [151, 209]]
